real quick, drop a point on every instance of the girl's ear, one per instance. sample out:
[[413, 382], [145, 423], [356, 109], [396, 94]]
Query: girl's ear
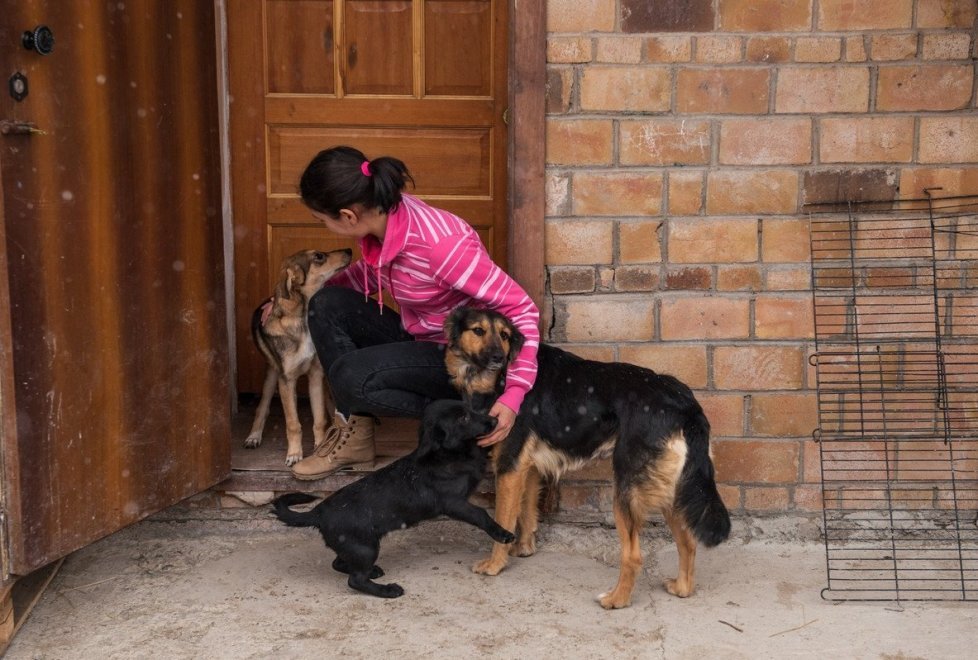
[[349, 217]]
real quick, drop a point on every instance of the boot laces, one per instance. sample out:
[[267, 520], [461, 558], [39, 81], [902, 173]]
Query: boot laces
[[334, 434]]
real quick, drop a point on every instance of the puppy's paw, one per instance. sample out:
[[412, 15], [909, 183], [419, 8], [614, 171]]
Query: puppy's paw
[[488, 567], [391, 590], [292, 459], [252, 440], [678, 589], [502, 536], [612, 601]]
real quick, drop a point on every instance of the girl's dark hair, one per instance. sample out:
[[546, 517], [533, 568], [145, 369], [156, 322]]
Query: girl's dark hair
[[333, 180]]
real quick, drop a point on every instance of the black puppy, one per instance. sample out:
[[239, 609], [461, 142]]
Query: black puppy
[[435, 479]]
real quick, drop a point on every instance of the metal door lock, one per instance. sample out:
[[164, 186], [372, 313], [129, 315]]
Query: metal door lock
[[40, 39], [18, 86]]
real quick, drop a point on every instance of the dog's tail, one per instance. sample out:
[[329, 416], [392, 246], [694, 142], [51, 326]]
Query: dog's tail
[[292, 518], [697, 498]]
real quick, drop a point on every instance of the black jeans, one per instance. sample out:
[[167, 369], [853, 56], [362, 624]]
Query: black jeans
[[373, 366]]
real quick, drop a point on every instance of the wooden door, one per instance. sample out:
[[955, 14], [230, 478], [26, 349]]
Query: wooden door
[[114, 375], [421, 80]]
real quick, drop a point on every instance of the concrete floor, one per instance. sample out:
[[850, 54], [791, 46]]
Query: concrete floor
[[219, 585]]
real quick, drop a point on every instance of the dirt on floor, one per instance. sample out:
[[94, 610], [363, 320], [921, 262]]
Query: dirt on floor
[[192, 584]]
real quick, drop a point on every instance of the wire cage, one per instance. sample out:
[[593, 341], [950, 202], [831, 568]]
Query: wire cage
[[895, 289]]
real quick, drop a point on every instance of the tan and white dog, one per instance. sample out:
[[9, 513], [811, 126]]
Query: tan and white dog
[[281, 332]]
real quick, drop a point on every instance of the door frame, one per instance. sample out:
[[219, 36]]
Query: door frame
[[526, 157], [527, 154]]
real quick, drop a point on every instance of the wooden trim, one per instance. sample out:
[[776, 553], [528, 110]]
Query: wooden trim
[[9, 450], [527, 93]]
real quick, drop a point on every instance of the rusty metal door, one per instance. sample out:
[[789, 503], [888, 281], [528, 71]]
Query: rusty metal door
[[114, 378]]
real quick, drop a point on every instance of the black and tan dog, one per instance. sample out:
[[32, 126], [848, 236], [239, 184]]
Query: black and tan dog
[[435, 479], [649, 424], [280, 330]]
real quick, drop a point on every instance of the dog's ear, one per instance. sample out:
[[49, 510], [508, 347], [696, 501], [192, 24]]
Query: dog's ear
[[455, 325], [516, 341], [430, 437]]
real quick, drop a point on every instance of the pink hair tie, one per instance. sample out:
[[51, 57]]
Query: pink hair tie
[[365, 168]]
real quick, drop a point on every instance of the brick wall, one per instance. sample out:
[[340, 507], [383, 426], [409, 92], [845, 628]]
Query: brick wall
[[683, 139]]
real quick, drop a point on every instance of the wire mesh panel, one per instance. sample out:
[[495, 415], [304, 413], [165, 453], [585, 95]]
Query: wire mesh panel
[[896, 331]]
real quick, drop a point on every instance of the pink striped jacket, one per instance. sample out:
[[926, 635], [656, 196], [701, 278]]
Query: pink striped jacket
[[431, 262]]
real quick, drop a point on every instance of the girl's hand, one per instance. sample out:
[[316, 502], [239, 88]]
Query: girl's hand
[[504, 423]]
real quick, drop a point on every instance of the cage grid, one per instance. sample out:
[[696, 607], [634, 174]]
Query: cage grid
[[895, 288]]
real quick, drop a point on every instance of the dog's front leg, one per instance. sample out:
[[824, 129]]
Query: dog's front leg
[[293, 428], [261, 415], [478, 517], [317, 399], [509, 498]]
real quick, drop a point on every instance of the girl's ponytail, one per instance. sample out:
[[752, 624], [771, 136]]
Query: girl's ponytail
[[339, 177]]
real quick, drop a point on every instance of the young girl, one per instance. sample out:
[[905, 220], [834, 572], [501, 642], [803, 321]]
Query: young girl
[[379, 362]]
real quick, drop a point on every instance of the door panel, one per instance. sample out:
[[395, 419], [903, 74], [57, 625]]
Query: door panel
[[420, 80], [114, 250]]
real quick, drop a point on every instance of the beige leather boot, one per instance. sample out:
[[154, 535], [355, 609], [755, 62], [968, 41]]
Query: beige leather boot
[[348, 442]]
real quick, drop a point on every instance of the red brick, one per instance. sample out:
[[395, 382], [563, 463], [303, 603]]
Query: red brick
[[557, 193], [893, 46], [571, 280], [866, 140], [617, 193], [818, 49], [607, 318], [789, 279], [685, 192], [855, 49], [581, 15], [686, 16], [731, 90], [807, 498], [730, 495], [568, 50], [636, 278], [760, 367], [725, 412], [639, 242], [697, 317], [783, 317], [924, 87], [770, 50], [668, 49], [766, 500], [689, 279], [739, 278], [844, 15], [578, 242], [715, 240], [804, 89], [952, 181], [766, 141], [785, 241], [687, 363], [752, 191], [760, 461], [849, 185], [954, 46], [664, 142], [619, 50], [949, 139], [946, 13], [579, 141], [559, 87], [811, 462], [597, 352], [765, 15], [784, 415], [718, 49], [612, 88]]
